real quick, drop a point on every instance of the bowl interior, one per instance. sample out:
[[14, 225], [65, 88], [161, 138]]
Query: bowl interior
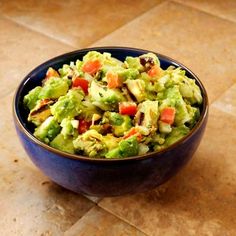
[[35, 77]]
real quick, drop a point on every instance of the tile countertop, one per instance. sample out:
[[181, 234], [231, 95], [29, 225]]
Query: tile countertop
[[201, 199]]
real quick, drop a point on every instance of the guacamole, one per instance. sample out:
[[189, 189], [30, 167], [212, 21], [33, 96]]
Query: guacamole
[[101, 107]]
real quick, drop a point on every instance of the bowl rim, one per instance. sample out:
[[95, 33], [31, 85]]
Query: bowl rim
[[155, 154]]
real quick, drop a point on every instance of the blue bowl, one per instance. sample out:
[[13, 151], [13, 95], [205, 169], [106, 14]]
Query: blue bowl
[[105, 177]]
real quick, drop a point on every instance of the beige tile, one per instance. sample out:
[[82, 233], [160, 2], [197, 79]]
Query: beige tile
[[21, 50], [9, 142], [98, 222], [30, 203], [33, 205], [200, 200], [204, 43], [227, 102], [225, 9], [77, 23]]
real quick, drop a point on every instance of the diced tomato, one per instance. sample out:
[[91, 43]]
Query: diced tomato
[[154, 71], [83, 125], [133, 131], [168, 115], [113, 80], [51, 73], [82, 83], [91, 67], [128, 108]]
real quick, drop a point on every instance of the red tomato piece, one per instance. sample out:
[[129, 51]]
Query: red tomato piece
[[132, 132], [91, 67], [113, 80], [154, 71], [128, 108], [83, 125], [168, 115], [82, 83]]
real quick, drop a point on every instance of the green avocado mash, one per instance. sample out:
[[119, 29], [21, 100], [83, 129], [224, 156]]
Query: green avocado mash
[[101, 107]]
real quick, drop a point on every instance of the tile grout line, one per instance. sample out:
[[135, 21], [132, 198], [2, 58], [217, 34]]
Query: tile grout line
[[202, 10], [122, 219], [96, 202], [64, 41], [79, 219], [222, 94], [127, 23], [158, 5], [27, 27], [96, 205]]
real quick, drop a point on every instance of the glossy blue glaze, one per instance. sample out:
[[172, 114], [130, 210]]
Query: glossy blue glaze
[[104, 177]]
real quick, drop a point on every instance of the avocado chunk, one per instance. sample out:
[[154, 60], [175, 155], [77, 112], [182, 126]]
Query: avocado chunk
[[30, 100], [69, 71], [129, 147], [90, 143], [110, 141], [63, 144], [126, 148], [120, 123], [93, 55], [104, 98], [111, 64], [187, 87], [176, 134], [89, 110], [190, 91], [115, 118], [194, 113], [68, 106], [161, 82], [137, 88], [128, 74], [134, 62], [48, 130], [54, 87], [119, 130], [114, 153]]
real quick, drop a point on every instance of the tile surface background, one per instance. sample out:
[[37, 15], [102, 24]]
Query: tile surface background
[[77, 23], [200, 200], [225, 9], [202, 42]]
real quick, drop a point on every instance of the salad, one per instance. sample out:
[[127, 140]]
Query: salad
[[101, 107]]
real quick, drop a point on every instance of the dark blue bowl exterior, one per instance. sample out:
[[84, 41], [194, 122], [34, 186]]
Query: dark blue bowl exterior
[[109, 178]]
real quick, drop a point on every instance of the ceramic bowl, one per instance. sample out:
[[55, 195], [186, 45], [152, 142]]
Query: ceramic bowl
[[105, 177]]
